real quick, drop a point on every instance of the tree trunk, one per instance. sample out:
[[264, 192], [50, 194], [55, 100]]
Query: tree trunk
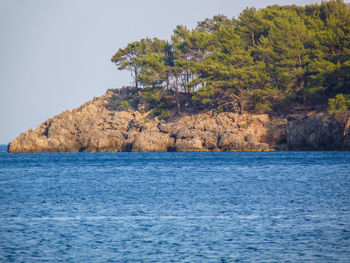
[[241, 106], [241, 101], [253, 40], [299, 59], [302, 84], [177, 99], [136, 78]]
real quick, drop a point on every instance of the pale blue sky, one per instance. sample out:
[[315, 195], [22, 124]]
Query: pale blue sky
[[55, 54]]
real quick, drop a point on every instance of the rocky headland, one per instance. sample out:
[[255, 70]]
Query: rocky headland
[[105, 124]]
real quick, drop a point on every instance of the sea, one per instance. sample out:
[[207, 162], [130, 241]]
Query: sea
[[175, 207]]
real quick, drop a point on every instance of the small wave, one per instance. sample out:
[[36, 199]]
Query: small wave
[[119, 218], [250, 217]]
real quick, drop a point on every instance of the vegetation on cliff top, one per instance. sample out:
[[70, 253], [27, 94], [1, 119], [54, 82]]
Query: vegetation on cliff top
[[269, 59]]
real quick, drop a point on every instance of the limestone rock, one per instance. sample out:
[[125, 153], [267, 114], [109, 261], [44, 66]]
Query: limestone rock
[[188, 145], [232, 142], [313, 133], [102, 125], [152, 142]]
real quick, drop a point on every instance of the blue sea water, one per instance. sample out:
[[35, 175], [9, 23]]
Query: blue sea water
[[175, 207]]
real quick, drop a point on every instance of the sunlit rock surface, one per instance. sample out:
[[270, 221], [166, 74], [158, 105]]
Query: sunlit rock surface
[[102, 125]]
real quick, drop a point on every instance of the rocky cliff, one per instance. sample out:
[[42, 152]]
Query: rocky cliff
[[105, 124]]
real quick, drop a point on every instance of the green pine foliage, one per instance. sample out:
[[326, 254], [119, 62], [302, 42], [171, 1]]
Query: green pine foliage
[[339, 104], [265, 60]]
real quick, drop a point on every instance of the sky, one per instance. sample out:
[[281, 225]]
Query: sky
[[56, 54]]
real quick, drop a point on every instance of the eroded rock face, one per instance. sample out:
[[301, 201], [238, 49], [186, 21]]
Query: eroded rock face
[[152, 141], [314, 132], [101, 125]]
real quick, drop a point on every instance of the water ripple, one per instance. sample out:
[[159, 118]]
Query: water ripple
[[175, 207]]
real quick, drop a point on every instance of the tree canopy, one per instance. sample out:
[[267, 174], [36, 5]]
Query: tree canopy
[[264, 60]]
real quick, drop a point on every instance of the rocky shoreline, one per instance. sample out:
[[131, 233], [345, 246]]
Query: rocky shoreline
[[103, 125]]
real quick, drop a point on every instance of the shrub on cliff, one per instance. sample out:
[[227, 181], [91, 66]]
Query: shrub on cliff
[[125, 105], [339, 108], [339, 104]]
